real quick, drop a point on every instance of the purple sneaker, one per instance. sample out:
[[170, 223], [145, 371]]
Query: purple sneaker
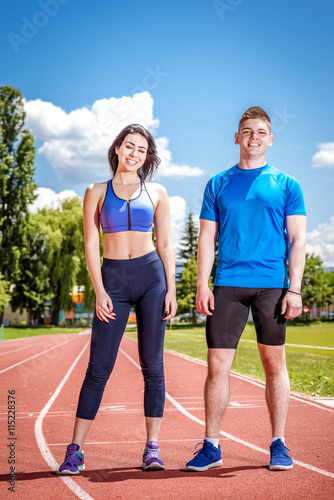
[[151, 457], [74, 461]]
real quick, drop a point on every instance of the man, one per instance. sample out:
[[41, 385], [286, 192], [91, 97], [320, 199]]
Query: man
[[258, 214]]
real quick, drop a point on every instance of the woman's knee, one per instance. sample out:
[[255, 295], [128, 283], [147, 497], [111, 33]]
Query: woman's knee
[[153, 372], [96, 381]]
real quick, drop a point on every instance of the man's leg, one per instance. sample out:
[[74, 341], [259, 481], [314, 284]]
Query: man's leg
[[223, 331], [217, 389], [270, 327], [216, 394], [277, 385]]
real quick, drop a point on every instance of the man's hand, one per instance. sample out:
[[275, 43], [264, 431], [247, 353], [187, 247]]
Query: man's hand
[[292, 305], [203, 298]]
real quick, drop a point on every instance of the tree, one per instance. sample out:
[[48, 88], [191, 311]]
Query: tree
[[187, 279], [330, 283], [186, 289], [83, 277], [52, 261], [189, 243], [64, 255], [315, 289], [4, 294], [63, 230], [189, 237], [17, 154], [32, 287]]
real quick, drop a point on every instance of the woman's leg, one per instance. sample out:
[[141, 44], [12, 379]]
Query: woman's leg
[[106, 338], [151, 334], [81, 428], [152, 428]]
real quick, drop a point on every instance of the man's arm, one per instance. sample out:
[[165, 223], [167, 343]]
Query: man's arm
[[205, 259], [296, 229]]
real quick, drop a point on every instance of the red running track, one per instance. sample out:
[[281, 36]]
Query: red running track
[[46, 374]]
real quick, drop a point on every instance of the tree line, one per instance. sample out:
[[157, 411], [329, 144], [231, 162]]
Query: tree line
[[42, 255]]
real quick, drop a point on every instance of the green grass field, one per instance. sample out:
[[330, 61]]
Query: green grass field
[[17, 332], [311, 370]]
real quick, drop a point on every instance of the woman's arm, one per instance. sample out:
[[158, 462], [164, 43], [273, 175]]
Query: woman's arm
[[92, 197], [165, 248]]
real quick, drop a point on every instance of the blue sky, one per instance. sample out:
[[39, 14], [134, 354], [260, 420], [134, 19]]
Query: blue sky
[[187, 70]]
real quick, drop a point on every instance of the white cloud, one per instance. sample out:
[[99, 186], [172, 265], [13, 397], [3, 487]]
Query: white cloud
[[321, 242], [177, 219], [76, 143], [169, 169], [46, 198], [324, 157]]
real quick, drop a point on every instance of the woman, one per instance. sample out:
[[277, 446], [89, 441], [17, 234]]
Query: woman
[[132, 273]]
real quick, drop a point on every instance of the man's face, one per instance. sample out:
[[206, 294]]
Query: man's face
[[254, 138]]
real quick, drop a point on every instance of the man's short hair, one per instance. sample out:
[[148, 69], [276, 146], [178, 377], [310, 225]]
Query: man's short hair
[[255, 112]]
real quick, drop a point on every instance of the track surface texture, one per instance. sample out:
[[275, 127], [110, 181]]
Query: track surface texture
[[46, 374]]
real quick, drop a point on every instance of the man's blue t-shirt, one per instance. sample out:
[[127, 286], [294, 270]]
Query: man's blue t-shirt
[[250, 207]]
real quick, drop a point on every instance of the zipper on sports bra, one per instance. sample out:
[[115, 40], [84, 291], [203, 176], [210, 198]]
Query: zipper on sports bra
[[129, 215]]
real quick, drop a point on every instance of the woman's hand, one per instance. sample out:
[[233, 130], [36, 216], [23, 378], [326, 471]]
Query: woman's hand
[[170, 306], [104, 307]]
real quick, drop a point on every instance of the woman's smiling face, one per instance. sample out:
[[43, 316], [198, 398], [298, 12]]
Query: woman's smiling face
[[132, 152]]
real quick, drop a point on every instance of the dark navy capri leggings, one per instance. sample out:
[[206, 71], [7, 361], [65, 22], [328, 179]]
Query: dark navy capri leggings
[[140, 281]]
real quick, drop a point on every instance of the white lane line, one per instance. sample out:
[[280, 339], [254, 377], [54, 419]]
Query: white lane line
[[36, 355], [292, 396], [245, 378], [44, 449], [226, 434], [20, 348], [296, 345], [19, 339], [255, 342]]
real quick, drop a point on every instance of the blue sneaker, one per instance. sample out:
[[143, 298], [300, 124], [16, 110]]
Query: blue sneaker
[[207, 457], [279, 456], [151, 457], [74, 461]]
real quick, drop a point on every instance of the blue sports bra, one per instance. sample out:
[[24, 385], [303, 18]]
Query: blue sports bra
[[126, 215]]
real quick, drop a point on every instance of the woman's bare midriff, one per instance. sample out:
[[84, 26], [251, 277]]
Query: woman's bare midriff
[[127, 244]]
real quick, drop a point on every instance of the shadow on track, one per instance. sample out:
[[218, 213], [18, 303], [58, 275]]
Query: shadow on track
[[117, 475]]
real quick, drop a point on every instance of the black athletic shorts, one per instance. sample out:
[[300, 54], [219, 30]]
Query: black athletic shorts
[[232, 304]]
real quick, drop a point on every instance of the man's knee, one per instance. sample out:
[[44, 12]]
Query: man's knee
[[219, 363], [273, 359]]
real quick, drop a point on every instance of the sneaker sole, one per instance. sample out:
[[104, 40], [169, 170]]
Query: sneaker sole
[[280, 467], [206, 467], [152, 466], [66, 472]]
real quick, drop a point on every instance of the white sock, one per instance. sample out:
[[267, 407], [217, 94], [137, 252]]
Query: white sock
[[281, 438], [213, 441]]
